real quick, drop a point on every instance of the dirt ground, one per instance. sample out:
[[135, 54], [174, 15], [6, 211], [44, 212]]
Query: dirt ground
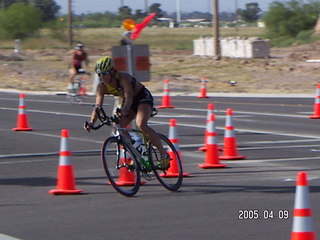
[[285, 71]]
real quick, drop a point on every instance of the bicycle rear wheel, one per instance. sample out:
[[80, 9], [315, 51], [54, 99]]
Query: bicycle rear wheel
[[74, 95], [121, 168], [171, 179]]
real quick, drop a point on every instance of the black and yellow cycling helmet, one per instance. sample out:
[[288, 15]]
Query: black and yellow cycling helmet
[[104, 65]]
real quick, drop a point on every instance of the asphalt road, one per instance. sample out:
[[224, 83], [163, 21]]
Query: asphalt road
[[275, 134]]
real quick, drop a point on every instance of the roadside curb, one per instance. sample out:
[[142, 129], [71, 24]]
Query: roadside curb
[[184, 94]]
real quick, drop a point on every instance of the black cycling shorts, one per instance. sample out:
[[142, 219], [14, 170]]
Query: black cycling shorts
[[78, 68], [144, 96]]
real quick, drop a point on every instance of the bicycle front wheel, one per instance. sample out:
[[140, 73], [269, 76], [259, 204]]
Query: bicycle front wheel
[[171, 178], [74, 95], [121, 168]]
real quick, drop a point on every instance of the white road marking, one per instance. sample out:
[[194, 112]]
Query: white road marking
[[6, 237], [311, 137]]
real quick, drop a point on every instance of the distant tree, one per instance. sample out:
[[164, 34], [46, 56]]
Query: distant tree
[[49, 9], [290, 18], [227, 16], [125, 12], [140, 14], [19, 21], [7, 3], [251, 13], [196, 14], [155, 8]]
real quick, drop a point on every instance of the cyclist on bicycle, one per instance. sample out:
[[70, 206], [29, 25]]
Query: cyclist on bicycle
[[78, 56], [137, 102]]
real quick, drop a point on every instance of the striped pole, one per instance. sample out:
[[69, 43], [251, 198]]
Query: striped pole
[[203, 88], [212, 154], [166, 96], [65, 178], [230, 143], [316, 108], [209, 112], [22, 121], [173, 170], [302, 228]]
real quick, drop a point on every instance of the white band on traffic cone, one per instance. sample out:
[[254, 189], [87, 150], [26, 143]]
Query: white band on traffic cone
[[64, 159], [173, 134], [302, 227]]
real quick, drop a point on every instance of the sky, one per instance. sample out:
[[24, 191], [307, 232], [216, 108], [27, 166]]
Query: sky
[[87, 6]]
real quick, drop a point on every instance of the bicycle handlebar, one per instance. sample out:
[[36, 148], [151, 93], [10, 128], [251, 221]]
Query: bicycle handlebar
[[104, 119]]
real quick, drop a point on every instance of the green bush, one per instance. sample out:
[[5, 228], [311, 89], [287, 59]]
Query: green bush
[[19, 21], [305, 36], [290, 18]]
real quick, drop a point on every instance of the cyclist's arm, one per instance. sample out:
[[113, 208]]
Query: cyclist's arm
[[99, 101]]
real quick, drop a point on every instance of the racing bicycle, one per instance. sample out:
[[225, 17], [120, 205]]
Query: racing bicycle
[[124, 164], [78, 92]]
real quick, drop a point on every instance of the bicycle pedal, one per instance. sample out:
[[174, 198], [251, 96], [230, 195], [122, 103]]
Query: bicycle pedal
[[130, 168]]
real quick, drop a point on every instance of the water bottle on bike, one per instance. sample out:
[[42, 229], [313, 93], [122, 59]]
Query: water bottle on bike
[[142, 149]]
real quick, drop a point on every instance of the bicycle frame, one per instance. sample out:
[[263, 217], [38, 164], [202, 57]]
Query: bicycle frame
[[149, 168], [121, 132]]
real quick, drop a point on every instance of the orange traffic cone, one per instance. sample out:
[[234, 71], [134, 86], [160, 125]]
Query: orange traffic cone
[[230, 144], [65, 179], [302, 228], [22, 121], [209, 112], [126, 178], [166, 96], [316, 113], [212, 154], [203, 89], [173, 170]]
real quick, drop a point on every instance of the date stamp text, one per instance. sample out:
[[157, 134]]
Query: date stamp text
[[256, 214]]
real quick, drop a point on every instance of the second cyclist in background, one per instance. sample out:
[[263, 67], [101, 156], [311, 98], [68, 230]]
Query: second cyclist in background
[[78, 57]]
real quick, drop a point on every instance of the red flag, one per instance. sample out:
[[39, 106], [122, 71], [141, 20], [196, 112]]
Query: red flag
[[140, 26]]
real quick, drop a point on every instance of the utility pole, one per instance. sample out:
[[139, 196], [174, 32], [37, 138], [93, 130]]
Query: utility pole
[[70, 33], [216, 33], [236, 13], [146, 8], [178, 12]]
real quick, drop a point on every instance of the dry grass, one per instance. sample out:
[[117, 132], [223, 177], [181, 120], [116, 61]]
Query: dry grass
[[45, 63]]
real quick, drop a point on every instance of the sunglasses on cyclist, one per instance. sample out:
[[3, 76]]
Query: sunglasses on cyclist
[[103, 73]]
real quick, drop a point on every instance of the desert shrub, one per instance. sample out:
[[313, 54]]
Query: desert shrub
[[19, 21]]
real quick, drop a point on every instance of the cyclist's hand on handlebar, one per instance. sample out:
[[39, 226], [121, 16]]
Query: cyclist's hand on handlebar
[[88, 126]]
